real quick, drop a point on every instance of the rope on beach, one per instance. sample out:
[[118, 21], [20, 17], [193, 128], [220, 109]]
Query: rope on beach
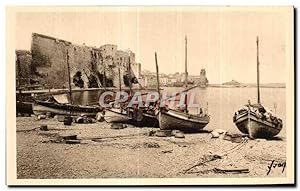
[[205, 159], [98, 139], [209, 158], [235, 148]]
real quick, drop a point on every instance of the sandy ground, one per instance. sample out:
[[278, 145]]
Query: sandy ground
[[137, 155]]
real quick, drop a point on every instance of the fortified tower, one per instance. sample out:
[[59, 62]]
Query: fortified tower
[[203, 79]]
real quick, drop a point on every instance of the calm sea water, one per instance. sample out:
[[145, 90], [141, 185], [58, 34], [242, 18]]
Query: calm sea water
[[222, 103]]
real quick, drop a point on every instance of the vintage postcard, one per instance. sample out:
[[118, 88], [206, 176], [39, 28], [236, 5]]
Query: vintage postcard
[[153, 95]]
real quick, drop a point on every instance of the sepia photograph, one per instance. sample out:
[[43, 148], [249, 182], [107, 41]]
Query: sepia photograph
[[150, 95]]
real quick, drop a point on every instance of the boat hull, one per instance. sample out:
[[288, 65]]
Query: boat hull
[[115, 116], [171, 120], [148, 120], [39, 109], [256, 128]]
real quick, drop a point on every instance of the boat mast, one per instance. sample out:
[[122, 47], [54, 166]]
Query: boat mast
[[129, 76], [257, 56], [157, 76], [69, 76], [186, 75], [120, 85], [104, 74]]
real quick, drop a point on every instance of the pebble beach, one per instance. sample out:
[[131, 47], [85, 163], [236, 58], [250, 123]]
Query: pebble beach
[[102, 151]]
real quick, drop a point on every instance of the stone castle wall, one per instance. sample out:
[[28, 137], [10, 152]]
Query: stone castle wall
[[23, 67], [49, 59]]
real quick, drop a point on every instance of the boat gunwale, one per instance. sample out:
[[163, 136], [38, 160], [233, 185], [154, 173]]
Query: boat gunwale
[[46, 104], [184, 118], [123, 114], [59, 111], [244, 116]]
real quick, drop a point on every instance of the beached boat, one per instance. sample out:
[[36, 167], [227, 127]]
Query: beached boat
[[172, 119], [181, 119], [138, 117], [62, 105], [116, 115], [119, 113], [254, 119], [143, 117], [257, 122], [44, 107], [149, 120]]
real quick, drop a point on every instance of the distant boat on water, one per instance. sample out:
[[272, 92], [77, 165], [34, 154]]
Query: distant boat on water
[[254, 119]]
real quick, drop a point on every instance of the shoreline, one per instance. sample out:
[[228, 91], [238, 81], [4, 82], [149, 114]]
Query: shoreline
[[60, 91], [131, 153]]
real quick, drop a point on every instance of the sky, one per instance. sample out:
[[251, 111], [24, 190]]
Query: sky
[[220, 39]]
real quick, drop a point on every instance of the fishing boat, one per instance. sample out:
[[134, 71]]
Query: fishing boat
[[60, 105], [149, 120], [116, 115], [254, 119], [138, 116], [144, 116], [173, 119], [170, 119], [55, 108]]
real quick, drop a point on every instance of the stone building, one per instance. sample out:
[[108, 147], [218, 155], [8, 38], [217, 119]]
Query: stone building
[[200, 80], [89, 66], [49, 59], [203, 81], [23, 68], [149, 79], [122, 60]]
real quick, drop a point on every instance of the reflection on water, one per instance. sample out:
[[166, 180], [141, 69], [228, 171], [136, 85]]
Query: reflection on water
[[222, 102]]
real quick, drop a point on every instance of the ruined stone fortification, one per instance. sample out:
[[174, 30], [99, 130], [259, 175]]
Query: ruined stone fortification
[[23, 67], [49, 58], [99, 65]]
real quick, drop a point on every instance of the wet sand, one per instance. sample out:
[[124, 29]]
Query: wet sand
[[131, 153]]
